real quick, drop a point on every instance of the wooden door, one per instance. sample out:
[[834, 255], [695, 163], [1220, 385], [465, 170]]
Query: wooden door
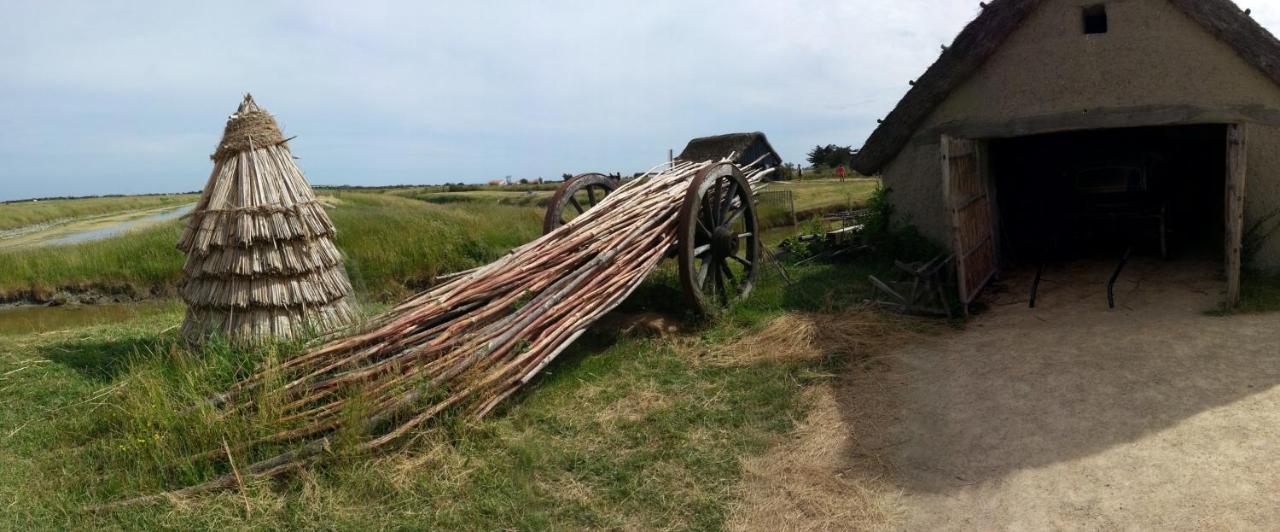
[[1237, 170], [970, 211]]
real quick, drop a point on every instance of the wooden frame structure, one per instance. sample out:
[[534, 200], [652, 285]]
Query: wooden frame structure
[[969, 199]]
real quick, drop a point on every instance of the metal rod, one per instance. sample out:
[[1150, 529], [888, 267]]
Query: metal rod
[[1035, 285], [1111, 284]]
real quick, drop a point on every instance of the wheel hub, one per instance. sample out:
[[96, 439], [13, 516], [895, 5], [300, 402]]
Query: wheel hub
[[724, 242]]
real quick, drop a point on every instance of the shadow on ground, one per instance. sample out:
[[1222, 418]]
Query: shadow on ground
[[100, 360], [1155, 414]]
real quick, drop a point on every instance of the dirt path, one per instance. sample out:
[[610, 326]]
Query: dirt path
[[1154, 416]]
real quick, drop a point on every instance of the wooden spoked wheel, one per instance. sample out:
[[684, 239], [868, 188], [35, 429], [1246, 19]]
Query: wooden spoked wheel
[[718, 246], [575, 197]]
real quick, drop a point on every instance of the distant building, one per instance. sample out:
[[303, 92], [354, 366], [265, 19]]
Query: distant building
[[746, 147]]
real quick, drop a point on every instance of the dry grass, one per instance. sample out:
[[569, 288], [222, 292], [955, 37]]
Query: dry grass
[[829, 473], [635, 407], [810, 482], [800, 336]]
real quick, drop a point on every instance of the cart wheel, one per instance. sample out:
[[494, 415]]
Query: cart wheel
[[717, 244], [576, 196]]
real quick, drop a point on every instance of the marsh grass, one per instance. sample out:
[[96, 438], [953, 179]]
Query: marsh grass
[[526, 199], [139, 262], [393, 246], [395, 241]]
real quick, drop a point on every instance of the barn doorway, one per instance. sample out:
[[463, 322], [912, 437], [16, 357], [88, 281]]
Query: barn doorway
[[1125, 196]]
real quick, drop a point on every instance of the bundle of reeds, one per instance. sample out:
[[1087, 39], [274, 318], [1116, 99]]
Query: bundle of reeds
[[260, 256], [463, 346]]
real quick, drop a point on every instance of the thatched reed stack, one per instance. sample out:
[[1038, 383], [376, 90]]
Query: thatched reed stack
[[261, 262]]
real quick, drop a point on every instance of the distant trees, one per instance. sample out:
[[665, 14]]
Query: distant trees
[[831, 156]]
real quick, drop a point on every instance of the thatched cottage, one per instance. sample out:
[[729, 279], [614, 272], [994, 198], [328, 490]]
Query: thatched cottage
[[1169, 110], [745, 147]]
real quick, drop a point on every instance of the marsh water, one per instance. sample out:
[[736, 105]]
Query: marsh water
[[90, 229], [31, 320], [109, 231]]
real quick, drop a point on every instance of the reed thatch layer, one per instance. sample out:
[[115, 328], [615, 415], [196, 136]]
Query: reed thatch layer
[[285, 258], [246, 228], [267, 323], [260, 259], [243, 291]]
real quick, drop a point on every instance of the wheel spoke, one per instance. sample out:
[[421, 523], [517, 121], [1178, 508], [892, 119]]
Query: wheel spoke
[[591, 196], [702, 274], [724, 294], [701, 250], [733, 216], [715, 203], [726, 203], [706, 213], [745, 235], [574, 201], [745, 263], [728, 272], [703, 227]]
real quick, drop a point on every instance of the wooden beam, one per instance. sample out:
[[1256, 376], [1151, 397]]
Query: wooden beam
[[1237, 173], [1103, 118]]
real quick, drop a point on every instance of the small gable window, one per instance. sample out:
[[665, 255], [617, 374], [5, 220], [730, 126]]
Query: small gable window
[[1095, 19]]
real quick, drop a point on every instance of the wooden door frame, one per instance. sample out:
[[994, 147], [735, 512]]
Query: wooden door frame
[[1236, 181], [952, 211]]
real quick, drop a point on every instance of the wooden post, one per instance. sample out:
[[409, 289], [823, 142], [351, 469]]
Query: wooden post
[[1237, 173], [795, 220], [954, 223]]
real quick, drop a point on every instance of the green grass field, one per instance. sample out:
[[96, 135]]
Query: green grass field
[[813, 196], [530, 198], [15, 215], [622, 432]]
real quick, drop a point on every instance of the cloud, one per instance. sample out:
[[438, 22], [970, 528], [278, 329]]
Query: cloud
[[121, 97]]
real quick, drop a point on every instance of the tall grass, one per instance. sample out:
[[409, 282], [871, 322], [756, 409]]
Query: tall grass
[[139, 262], [393, 246], [20, 214]]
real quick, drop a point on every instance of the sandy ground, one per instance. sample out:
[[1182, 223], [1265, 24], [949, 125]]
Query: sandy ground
[[1154, 416]]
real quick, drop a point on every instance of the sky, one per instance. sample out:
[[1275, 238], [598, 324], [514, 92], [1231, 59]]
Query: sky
[[111, 97]]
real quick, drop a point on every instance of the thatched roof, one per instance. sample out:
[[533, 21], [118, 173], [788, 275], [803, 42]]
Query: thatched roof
[[721, 146], [998, 20], [260, 256]]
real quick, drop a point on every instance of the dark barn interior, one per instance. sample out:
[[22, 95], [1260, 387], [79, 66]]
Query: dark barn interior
[[1102, 193]]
